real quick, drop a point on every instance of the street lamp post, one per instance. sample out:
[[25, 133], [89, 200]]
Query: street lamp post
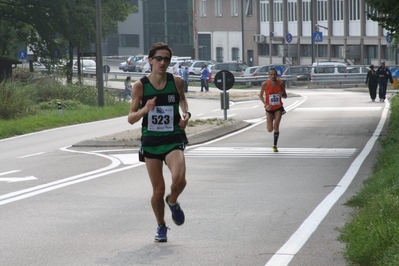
[[99, 55]]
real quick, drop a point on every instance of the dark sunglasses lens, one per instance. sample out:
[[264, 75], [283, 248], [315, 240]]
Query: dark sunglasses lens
[[160, 58]]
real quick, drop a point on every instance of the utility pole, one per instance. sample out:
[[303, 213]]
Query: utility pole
[[99, 55]]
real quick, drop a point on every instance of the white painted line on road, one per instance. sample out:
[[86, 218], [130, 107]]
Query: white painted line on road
[[30, 155], [129, 158], [13, 196], [314, 153], [338, 109], [287, 252], [9, 172]]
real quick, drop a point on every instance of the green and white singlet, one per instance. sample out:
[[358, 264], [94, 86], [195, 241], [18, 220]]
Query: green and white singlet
[[160, 132]]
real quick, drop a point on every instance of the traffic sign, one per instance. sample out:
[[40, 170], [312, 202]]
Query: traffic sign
[[279, 70], [388, 37], [317, 36], [288, 38], [229, 79], [22, 54], [395, 72]]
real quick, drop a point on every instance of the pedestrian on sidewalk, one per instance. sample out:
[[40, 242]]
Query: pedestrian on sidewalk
[[384, 75], [204, 78], [157, 98], [186, 77], [372, 82], [128, 89], [270, 94]]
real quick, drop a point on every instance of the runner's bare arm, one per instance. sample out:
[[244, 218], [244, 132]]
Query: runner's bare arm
[[135, 114]]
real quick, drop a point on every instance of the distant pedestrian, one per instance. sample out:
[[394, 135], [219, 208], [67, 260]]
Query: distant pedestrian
[[372, 82], [128, 88], [270, 94], [384, 74], [186, 77], [179, 71], [204, 78]]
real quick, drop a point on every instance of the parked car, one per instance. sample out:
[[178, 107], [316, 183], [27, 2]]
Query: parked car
[[236, 68], [302, 72], [195, 67], [122, 66], [264, 71], [132, 63], [328, 67], [85, 64], [248, 72]]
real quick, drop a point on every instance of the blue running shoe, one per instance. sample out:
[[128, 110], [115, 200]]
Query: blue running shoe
[[162, 230], [177, 212]]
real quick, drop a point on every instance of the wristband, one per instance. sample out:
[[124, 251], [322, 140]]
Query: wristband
[[189, 114]]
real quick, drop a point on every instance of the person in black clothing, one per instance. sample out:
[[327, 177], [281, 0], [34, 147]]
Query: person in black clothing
[[383, 75], [372, 82]]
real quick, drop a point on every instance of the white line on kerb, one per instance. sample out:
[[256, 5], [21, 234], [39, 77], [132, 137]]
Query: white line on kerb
[[286, 253]]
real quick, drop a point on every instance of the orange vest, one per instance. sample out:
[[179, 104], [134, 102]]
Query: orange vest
[[273, 96]]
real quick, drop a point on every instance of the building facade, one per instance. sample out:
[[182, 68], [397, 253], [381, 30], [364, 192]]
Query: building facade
[[257, 32], [297, 32]]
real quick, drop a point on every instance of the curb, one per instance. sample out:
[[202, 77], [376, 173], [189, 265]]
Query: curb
[[193, 140]]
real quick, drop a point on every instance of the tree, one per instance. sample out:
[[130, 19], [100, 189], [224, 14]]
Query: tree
[[48, 26], [386, 13]]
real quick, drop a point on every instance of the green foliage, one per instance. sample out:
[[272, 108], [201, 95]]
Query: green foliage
[[372, 236], [14, 101], [387, 14], [49, 25]]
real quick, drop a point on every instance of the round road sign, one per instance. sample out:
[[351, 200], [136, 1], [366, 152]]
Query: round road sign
[[229, 79], [288, 38], [107, 69]]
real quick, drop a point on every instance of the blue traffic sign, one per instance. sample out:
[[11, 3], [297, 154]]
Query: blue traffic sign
[[395, 72], [288, 37], [388, 37], [280, 70], [317, 36], [22, 54]]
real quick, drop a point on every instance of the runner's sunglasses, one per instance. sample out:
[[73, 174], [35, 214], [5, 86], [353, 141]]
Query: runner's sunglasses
[[160, 58]]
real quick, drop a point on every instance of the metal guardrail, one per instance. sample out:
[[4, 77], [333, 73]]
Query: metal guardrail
[[138, 75], [340, 78]]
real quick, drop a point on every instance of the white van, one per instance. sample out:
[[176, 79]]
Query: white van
[[329, 67]]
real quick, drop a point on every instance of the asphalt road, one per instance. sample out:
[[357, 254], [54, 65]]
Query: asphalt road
[[244, 204]]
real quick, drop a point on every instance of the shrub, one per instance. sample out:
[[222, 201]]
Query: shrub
[[14, 100]]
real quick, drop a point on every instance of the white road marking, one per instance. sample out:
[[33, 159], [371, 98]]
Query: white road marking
[[10, 172], [17, 179], [129, 158], [30, 155], [337, 109], [287, 252], [267, 152]]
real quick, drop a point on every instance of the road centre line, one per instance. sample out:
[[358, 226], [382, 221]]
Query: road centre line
[[30, 155], [287, 252]]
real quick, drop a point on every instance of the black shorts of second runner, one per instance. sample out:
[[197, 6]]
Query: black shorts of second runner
[[279, 109], [143, 154]]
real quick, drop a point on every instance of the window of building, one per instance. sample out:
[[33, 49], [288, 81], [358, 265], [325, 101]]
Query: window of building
[[234, 7], [218, 8], [264, 11], [129, 40], [292, 13], [203, 8], [264, 49], [235, 55], [277, 11], [369, 11], [322, 10], [322, 48], [305, 11], [306, 50], [338, 10], [248, 8], [354, 10], [135, 3], [219, 54]]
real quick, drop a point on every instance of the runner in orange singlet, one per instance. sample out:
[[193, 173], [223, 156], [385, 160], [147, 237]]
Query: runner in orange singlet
[[270, 94]]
